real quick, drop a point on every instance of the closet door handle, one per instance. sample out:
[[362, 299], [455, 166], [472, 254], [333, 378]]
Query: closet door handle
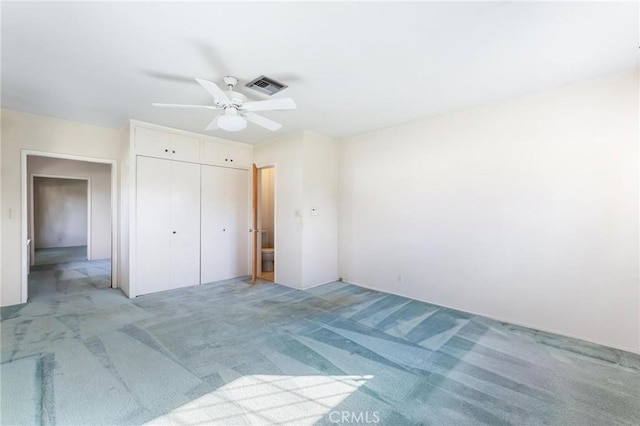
[[174, 232]]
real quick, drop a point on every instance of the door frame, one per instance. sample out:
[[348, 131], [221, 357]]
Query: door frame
[[254, 223], [24, 255], [32, 177], [256, 189]]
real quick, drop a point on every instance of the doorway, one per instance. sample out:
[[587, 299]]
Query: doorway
[[266, 262], [60, 219], [69, 215]]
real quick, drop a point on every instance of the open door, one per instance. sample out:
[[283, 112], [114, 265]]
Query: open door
[[254, 224]]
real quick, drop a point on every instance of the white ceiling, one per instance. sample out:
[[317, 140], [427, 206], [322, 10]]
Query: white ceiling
[[351, 67]]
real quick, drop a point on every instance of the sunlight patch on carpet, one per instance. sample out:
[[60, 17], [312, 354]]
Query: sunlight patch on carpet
[[273, 399]]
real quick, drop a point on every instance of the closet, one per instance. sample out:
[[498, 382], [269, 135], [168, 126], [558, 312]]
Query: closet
[[190, 211]]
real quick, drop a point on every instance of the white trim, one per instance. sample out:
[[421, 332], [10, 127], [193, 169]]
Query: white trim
[[32, 215], [24, 153], [133, 231]]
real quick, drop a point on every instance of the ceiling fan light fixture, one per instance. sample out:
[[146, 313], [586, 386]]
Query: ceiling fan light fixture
[[231, 121]]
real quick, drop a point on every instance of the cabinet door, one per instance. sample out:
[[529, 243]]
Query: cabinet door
[[185, 148], [226, 155], [153, 222], [225, 226], [153, 142], [156, 143], [185, 224]]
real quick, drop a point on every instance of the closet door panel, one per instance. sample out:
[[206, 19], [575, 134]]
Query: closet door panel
[[153, 220], [238, 220], [214, 252], [185, 224]]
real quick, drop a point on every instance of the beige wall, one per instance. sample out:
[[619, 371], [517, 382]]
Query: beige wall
[[124, 210], [524, 210], [285, 152], [320, 237], [100, 178], [305, 177], [21, 131], [266, 205], [59, 212]]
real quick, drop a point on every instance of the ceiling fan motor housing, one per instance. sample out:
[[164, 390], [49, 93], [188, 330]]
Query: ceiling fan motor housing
[[230, 81]]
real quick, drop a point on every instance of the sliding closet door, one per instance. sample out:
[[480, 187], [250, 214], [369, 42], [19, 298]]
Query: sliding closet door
[[185, 224], [167, 225], [238, 219], [225, 202], [153, 219], [214, 232]]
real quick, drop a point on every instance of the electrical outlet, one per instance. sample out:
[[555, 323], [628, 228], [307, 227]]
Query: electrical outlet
[[399, 278]]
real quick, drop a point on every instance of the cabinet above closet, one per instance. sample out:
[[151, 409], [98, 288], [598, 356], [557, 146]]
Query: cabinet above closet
[[155, 141], [226, 155], [172, 146]]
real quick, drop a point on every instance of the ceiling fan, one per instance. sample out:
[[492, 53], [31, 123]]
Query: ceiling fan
[[236, 111]]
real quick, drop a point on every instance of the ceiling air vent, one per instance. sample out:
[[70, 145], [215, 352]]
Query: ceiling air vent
[[266, 85]]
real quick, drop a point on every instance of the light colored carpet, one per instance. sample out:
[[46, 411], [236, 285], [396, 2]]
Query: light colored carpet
[[80, 353]]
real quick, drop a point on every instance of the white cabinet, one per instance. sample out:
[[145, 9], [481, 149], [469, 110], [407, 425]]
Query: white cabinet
[[225, 223], [226, 155], [167, 225], [156, 143]]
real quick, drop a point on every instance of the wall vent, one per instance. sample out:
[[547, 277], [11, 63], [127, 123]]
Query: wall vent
[[266, 85]]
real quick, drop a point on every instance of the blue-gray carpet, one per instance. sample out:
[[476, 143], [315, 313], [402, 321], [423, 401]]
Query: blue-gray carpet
[[47, 256], [81, 353]]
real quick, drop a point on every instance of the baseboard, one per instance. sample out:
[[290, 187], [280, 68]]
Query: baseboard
[[529, 326], [318, 285]]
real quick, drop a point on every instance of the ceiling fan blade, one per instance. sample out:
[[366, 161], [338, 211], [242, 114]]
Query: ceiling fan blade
[[271, 104], [213, 125], [184, 106], [261, 121], [217, 93]]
